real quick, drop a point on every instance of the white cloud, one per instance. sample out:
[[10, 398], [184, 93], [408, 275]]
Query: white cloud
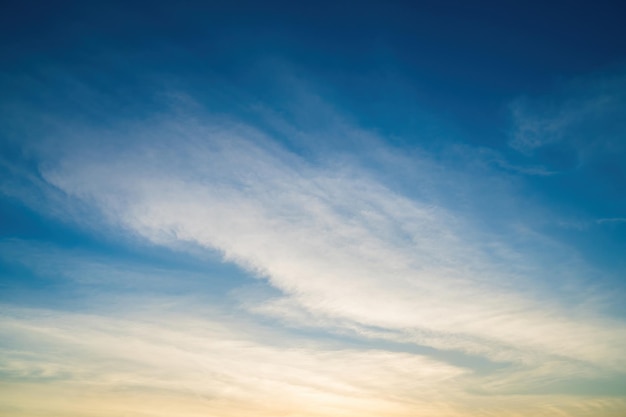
[[353, 250], [156, 361], [336, 241], [208, 362]]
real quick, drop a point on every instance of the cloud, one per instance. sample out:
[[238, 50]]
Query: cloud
[[615, 220], [582, 120], [155, 361], [331, 237], [204, 364], [351, 247]]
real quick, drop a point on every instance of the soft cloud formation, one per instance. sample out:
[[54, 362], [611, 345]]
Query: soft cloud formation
[[147, 360], [585, 119], [440, 306], [156, 361], [615, 220], [337, 242]]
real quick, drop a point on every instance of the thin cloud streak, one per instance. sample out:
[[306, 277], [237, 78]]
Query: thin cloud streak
[[615, 220], [208, 364], [586, 116], [157, 360]]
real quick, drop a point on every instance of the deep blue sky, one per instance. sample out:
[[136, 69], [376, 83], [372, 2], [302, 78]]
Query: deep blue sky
[[464, 59], [430, 192]]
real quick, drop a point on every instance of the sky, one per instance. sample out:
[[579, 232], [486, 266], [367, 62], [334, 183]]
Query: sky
[[312, 209]]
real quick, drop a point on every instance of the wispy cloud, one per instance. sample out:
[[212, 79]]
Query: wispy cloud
[[158, 361], [335, 240], [587, 117], [207, 364], [350, 249], [614, 220]]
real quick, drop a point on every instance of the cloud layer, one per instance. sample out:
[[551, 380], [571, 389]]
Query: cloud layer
[[415, 301], [335, 241]]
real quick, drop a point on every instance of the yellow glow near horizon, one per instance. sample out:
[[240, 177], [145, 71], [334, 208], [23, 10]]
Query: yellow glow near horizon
[[96, 366]]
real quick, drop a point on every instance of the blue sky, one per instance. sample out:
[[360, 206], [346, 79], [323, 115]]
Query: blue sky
[[329, 209]]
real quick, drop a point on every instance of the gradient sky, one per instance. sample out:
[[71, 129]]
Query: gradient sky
[[312, 209]]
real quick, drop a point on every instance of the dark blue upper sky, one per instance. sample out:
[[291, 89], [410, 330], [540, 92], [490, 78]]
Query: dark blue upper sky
[[462, 59]]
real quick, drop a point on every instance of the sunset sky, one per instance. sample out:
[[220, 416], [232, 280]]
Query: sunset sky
[[312, 209]]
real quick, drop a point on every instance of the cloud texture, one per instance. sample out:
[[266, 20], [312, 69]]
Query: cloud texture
[[417, 303]]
